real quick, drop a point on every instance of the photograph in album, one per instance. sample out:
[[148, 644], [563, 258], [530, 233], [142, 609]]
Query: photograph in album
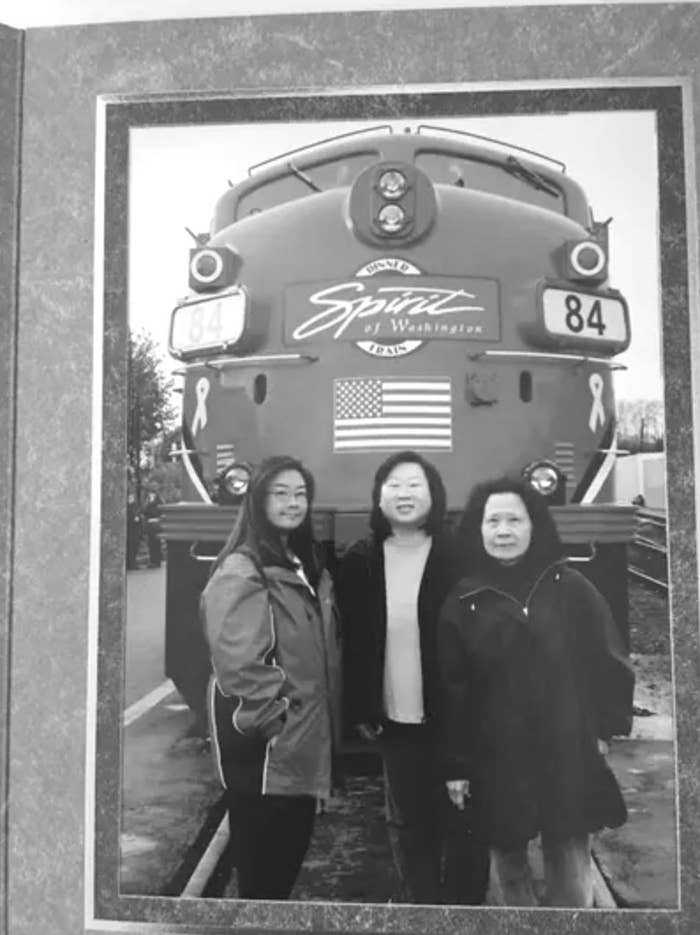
[[350, 344]]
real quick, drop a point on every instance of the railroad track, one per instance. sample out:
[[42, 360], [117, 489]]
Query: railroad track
[[648, 557], [200, 869], [207, 870]]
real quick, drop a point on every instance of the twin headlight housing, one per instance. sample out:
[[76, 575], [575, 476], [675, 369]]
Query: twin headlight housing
[[391, 216], [391, 204]]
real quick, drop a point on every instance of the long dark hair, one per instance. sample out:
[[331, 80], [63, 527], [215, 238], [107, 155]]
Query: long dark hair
[[254, 533], [545, 544], [378, 522]]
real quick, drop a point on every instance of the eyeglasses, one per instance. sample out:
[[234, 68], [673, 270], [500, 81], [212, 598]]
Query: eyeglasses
[[288, 496]]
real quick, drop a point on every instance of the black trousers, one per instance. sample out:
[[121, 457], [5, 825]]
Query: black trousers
[[270, 835], [438, 857]]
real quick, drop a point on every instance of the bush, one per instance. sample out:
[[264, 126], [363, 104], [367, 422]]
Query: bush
[[165, 478]]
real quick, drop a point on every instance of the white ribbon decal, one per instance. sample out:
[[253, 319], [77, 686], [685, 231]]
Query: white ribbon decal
[[200, 416], [595, 381]]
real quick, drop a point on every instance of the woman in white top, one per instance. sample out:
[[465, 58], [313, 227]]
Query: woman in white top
[[390, 590]]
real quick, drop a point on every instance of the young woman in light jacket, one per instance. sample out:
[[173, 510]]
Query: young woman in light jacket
[[270, 620]]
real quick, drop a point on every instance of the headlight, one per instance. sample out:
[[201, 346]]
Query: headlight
[[206, 266], [391, 218], [235, 480], [588, 258], [392, 183], [544, 476], [213, 268], [585, 259]]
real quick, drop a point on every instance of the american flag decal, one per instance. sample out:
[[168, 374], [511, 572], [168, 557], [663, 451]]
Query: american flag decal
[[385, 413]]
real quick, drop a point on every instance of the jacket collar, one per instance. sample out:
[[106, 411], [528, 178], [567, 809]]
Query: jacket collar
[[280, 574], [472, 584]]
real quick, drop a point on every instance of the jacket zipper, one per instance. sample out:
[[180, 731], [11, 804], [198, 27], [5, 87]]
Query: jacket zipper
[[312, 598], [317, 603], [318, 607]]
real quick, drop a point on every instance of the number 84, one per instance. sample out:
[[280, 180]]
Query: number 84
[[575, 317]]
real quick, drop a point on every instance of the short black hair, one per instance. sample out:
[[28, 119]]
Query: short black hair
[[379, 524], [545, 544]]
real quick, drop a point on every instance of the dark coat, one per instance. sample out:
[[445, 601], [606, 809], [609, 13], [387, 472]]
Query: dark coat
[[362, 602], [529, 686]]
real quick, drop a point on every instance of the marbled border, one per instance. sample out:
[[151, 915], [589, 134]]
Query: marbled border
[[11, 45], [667, 100]]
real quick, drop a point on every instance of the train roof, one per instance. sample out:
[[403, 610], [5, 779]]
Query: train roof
[[423, 129], [449, 157]]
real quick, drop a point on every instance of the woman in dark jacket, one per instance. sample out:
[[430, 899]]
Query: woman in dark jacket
[[270, 620], [536, 683], [390, 590]]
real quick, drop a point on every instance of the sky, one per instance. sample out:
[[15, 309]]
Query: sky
[[177, 174]]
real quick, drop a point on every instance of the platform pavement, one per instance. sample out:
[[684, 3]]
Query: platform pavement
[[169, 785], [640, 859]]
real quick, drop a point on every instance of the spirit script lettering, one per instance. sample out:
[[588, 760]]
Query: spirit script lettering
[[342, 304]]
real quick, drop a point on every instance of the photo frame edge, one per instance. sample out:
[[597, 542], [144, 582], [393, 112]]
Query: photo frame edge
[[370, 90]]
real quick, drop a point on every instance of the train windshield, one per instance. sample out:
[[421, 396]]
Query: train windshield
[[291, 182], [508, 177]]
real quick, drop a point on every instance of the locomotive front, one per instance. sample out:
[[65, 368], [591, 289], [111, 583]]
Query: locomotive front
[[385, 291]]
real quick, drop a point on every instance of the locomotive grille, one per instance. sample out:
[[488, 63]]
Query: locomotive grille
[[224, 454], [564, 458]]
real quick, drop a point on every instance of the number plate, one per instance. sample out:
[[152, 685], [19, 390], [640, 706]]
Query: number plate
[[582, 315], [205, 324]]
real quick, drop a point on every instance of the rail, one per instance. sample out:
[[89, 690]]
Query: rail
[[209, 876], [653, 517], [648, 553]]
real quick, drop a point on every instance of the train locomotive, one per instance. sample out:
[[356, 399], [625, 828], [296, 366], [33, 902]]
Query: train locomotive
[[381, 291]]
